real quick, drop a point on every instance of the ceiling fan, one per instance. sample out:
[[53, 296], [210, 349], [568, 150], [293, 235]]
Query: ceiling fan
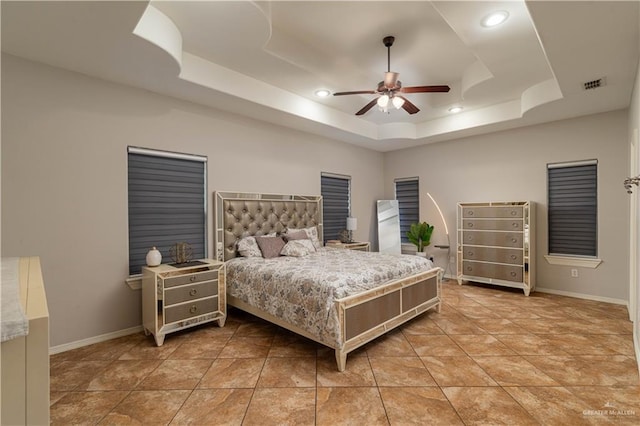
[[391, 87]]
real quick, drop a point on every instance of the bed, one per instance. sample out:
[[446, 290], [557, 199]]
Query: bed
[[340, 298]]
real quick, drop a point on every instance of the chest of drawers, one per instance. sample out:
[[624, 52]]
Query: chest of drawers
[[496, 243], [175, 298]]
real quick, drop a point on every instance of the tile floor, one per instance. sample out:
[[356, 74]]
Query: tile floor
[[492, 356]]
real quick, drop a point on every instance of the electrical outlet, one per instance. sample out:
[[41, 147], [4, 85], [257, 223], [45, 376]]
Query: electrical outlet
[[574, 273]]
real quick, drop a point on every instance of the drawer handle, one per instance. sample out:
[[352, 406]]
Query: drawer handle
[[193, 309], [470, 253], [193, 292], [514, 257], [469, 268], [514, 240], [513, 212], [470, 238], [513, 274], [515, 224], [470, 225], [471, 213], [192, 278]]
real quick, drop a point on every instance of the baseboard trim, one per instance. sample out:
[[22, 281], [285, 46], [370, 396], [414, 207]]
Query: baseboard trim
[[582, 296], [91, 340]]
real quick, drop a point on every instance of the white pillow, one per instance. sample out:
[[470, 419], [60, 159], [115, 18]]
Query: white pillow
[[312, 232], [298, 248], [248, 247]]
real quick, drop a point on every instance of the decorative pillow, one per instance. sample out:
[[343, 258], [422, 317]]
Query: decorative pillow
[[312, 232], [248, 247], [270, 246], [298, 248], [296, 234]]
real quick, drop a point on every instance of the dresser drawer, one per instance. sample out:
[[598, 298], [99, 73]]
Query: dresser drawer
[[488, 238], [193, 278], [189, 310], [493, 224], [490, 270], [190, 292], [491, 254], [494, 211]]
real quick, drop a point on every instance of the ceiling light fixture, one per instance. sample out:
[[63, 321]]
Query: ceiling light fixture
[[455, 109], [383, 101], [495, 18], [322, 93], [397, 102]]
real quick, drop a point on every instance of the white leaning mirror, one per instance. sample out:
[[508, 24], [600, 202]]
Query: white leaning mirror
[[389, 227]]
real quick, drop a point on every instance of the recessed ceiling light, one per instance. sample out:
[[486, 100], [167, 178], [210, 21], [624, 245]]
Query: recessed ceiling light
[[322, 93], [455, 109], [495, 18]]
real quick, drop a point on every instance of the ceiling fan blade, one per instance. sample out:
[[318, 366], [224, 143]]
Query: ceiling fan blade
[[390, 79], [367, 107], [357, 92], [408, 106], [424, 89]]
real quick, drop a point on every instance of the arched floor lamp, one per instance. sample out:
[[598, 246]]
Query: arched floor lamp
[[446, 230]]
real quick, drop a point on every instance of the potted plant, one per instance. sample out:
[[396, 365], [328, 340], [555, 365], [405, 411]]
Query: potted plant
[[420, 235]]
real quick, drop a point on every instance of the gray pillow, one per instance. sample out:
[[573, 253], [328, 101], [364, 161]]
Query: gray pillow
[[270, 246], [296, 234]]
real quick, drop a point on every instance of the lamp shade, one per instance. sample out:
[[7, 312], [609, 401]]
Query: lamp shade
[[383, 101], [352, 224], [397, 102]]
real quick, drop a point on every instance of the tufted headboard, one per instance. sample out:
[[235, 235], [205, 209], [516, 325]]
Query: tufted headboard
[[239, 215]]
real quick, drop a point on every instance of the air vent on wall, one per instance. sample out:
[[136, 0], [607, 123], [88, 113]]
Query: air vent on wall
[[594, 84]]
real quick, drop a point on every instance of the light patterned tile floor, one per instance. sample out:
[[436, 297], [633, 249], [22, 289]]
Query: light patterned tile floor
[[491, 356]]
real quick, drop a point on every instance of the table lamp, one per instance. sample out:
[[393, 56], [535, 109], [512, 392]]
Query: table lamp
[[352, 225]]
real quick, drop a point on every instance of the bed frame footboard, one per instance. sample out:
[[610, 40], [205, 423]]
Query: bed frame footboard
[[366, 316]]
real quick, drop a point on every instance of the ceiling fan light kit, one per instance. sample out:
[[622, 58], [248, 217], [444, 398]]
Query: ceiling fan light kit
[[390, 89]]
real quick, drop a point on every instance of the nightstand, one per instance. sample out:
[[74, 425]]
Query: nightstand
[[361, 246], [175, 297]]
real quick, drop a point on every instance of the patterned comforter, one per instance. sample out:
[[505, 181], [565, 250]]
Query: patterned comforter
[[302, 290]]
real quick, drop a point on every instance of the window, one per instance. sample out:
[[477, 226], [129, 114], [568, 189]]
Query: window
[[167, 194], [573, 208], [336, 204], [408, 198]]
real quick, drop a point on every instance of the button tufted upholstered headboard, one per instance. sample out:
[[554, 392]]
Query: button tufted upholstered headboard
[[239, 215]]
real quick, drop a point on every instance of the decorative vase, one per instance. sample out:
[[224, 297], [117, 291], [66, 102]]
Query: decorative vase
[[154, 257]]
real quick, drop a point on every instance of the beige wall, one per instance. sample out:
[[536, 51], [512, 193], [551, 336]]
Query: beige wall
[[511, 165], [64, 185], [64, 180]]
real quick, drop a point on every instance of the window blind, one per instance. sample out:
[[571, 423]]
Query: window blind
[[408, 196], [336, 205], [166, 205], [573, 208]]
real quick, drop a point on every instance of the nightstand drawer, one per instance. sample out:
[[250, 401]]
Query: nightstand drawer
[[495, 211], [493, 224], [492, 254], [189, 310], [192, 278], [190, 292], [491, 270], [486, 238]]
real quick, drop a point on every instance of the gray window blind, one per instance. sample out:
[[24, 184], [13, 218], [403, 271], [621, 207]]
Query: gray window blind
[[166, 206], [408, 196], [335, 204], [573, 208]]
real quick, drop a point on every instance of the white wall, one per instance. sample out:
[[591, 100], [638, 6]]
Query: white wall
[[511, 166], [634, 126], [64, 180]]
